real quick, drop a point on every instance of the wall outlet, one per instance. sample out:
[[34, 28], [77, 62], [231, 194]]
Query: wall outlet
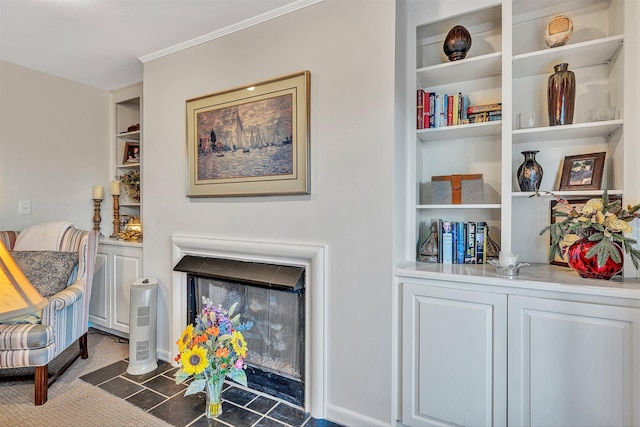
[[24, 207]]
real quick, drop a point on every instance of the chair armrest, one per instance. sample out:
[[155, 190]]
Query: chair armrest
[[67, 296], [62, 300]]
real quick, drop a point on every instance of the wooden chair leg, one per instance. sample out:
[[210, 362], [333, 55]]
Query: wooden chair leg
[[41, 384], [84, 350]]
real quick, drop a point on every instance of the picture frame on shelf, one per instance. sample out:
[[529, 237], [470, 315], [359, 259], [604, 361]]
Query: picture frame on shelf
[[582, 172], [577, 204], [131, 153], [250, 141]]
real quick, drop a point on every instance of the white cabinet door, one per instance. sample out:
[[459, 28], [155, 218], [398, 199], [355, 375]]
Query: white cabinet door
[[126, 269], [99, 301], [117, 267], [454, 357], [573, 364]]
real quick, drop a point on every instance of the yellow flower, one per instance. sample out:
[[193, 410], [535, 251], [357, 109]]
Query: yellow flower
[[194, 360], [185, 338], [620, 225], [568, 240], [239, 344], [593, 205]]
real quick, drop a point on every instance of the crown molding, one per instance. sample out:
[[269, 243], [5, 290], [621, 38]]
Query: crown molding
[[272, 14]]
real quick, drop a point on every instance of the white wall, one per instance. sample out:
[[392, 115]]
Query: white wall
[[54, 142], [348, 46]]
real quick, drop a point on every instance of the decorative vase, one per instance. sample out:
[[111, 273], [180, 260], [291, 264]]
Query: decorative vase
[[529, 172], [588, 267], [493, 248], [213, 392], [457, 43], [429, 249], [558, 31], [561, 95], [132, 191]]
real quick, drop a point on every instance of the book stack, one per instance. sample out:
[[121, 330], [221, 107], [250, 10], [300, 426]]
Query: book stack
[[459, 242], [435, 110], [440, 109], [484, 113]]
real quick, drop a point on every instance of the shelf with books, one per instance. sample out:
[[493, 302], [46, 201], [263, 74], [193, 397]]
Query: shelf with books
[[471, 130], [461, 206]]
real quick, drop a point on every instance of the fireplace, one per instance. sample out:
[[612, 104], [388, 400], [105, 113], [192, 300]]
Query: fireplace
[[269, 296], [307, 261]]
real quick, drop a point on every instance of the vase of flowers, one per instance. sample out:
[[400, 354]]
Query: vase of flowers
[[209, 351], [131, 184], [593, 237]]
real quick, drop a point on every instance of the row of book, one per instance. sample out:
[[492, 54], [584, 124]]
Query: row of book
[[440, 109], [456, 242]]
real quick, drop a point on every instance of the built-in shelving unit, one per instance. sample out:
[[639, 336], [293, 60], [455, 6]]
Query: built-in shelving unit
[[509, 63]]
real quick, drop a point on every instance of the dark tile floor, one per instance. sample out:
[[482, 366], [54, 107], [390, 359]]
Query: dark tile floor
[[159, 395]]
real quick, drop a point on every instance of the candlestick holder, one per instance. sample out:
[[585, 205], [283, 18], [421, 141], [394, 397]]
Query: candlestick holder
[[116, 216], [96, 215]]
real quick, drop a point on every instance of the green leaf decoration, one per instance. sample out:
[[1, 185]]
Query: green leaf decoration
[[181, 376], [233, 309], [196, 386], [239, 376]]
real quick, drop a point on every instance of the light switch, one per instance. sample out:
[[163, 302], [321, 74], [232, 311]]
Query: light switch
[[24, 207]]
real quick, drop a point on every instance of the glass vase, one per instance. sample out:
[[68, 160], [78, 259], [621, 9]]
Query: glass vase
[[561, 95], [213, 392], [530, 172], [588, 267]]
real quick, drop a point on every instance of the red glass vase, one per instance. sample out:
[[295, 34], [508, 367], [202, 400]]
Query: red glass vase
[[588, 266]]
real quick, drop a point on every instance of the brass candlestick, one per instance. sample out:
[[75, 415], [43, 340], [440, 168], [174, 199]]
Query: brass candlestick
[[96, 215], [116, 215]]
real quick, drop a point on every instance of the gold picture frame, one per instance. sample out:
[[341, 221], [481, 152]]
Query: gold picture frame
[[250, 141]]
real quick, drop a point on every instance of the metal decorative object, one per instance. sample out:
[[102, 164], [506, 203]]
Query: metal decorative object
[[457, 43]]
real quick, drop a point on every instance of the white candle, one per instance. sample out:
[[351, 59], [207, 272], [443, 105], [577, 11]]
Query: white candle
[[98, 192], [507, 259], [115, 188]]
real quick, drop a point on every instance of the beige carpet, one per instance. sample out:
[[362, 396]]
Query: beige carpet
[[73, 402]]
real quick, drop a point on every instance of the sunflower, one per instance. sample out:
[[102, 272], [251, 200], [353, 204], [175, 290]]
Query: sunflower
[[194, 360], [239, 344], [185, 338]]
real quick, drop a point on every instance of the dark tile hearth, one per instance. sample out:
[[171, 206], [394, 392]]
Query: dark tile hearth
[[159, 395]]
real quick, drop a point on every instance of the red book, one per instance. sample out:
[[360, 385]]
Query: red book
[[450, 110]]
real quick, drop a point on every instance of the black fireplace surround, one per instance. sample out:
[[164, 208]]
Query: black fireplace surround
[[272, 297]]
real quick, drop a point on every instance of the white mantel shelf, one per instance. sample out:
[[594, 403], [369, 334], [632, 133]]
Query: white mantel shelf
[[534, 278]]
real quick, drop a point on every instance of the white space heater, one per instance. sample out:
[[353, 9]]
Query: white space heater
[[142, 326]]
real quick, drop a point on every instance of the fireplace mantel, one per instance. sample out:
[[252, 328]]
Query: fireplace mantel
[[312, 257]]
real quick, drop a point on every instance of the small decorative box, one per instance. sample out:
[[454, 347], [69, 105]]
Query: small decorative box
[[457, 189]]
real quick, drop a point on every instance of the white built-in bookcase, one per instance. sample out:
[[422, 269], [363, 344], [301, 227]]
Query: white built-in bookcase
[[509, 62]]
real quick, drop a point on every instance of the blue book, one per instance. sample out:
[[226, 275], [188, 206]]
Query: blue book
[[461, 244], [447, 242]]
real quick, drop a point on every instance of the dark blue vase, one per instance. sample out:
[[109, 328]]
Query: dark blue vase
[[530, 172]]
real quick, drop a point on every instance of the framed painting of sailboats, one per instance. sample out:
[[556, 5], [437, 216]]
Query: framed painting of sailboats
[[250, 141]]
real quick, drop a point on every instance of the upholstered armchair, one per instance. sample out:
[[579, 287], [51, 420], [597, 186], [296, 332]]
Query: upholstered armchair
[[35, 340]]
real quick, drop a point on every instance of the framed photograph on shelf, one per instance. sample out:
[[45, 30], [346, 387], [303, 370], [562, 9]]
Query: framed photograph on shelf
[[250, 141], [131, 153], [577, 204], [582, 172]]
